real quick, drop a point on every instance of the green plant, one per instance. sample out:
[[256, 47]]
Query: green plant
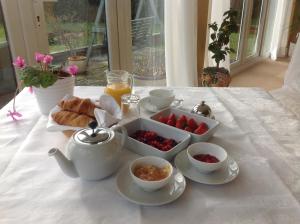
[[43, 75], [220, 36]]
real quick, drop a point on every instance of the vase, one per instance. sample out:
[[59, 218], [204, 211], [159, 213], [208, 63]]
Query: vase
[[213, 77], [79, 61], [48, 97]]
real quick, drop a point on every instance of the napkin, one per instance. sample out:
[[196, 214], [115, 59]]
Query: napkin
[[109, 114]]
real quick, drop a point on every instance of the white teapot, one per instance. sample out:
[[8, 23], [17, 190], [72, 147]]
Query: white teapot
[[94, 152]]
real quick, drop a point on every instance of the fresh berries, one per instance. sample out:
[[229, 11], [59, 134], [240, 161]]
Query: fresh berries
[[202, 128], [172, 117], [187, 128], [171, 123], [180, 124], [156, 141], [207, 158], [192, 124], [163, 119], [184, 123]]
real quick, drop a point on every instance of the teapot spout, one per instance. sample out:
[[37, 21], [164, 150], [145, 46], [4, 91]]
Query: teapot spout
[[65, 164]]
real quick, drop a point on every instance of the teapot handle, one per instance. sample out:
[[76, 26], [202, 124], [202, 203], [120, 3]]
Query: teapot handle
[[124, 134]]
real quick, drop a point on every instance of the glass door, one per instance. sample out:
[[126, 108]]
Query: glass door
[[76, 34], [106, 34], [148, 48], [247, 42], [7, 75]]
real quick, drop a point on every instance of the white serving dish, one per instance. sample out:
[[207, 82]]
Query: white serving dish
[[211, 123], [207, 148], [163, 130], [155, 161]]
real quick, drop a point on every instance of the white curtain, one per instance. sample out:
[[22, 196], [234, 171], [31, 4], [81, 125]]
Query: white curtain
[[181, 42], [281, 21], [289, 94], [292, 76], [217, 10]]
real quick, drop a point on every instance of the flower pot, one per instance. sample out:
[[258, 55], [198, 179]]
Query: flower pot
[[79, 61], [213, 77], [48, 97]]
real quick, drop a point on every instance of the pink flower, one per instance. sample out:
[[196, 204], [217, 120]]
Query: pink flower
[[14, 114], [19, 62], [30, 89], [39, 57], [73, 70], [47, 59]]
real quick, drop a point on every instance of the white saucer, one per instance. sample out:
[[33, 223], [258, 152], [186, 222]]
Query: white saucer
[[146, 104], [133, 193], [222, 176]]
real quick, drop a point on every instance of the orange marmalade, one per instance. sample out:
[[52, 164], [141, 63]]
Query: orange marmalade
[[151, 172]]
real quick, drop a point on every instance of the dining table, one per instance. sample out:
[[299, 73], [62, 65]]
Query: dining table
[[255, 129]]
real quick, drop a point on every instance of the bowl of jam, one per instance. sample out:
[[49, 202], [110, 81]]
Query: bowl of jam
[[207, 157], [150, 172]]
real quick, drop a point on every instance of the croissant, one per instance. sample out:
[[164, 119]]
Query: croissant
[[71, 119], [77, 105]]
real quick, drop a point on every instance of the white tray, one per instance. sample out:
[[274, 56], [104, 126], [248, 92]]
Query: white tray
[[162, 130], [212, 124]]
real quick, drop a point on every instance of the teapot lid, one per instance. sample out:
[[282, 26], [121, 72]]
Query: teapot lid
[[92, 135]]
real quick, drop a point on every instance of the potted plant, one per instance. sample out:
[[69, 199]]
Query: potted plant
[[71, 39], [49, 83], [220, 36]]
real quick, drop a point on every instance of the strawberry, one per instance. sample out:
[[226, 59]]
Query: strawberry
[[183, 120], [192, 124], [171, 122], [163, 119], [172, 117], [202, 128], [187, 128], [180, 124]]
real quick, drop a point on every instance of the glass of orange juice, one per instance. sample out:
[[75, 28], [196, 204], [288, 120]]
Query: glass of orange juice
[[119, 82]]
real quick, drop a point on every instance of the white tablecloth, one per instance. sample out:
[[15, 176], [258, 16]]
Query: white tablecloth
[[256, 131]]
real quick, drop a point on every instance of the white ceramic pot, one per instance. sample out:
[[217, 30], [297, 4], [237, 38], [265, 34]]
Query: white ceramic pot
[[48, 97], [92, 154], [79, 61]]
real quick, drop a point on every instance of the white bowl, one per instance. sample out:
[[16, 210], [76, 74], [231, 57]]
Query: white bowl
[[207, 148], [161, 97], [183, 138], [151, 160]]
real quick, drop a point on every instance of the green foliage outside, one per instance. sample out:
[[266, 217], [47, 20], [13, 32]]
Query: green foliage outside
[[82, 31], [2, 34], [234, 41]]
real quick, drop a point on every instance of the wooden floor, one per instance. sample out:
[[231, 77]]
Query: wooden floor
[[267, 74]]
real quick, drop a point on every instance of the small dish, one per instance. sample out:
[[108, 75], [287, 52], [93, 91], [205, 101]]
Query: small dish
[[165, 131], [161, 98], [207, 148], [145, 103], [222, 176], [133, 193], [147, 185], [211, 123]]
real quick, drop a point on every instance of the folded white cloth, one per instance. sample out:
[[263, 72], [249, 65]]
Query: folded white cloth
[[109, 114]]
